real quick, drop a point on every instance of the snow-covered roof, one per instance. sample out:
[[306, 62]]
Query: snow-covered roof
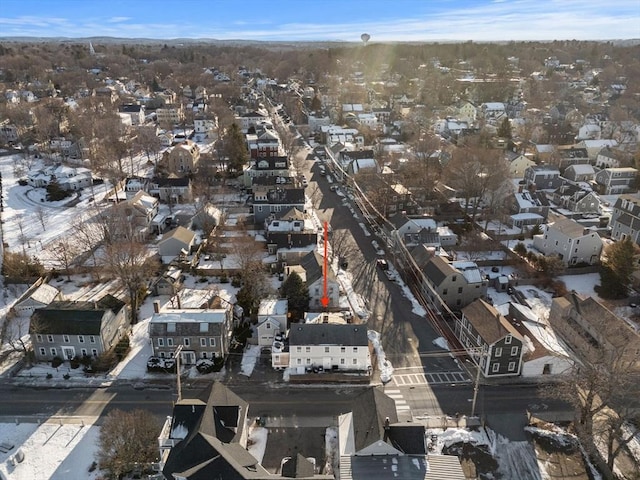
[[195, 316], [273, 306], [469, 270]]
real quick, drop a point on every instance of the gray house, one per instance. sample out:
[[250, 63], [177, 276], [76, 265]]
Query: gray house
[[613, 181], [69, 329], [542, 177], [455, 284], [625, 220]]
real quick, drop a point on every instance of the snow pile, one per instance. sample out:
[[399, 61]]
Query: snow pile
[[331, 451], [249, 359], [416, 307], [257, 440], [441, 342], [384, 365]]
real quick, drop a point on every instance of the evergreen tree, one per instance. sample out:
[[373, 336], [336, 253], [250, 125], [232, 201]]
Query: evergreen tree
[[297, 293], [235, 149], [504, 131], [316, 104], [618, 268]]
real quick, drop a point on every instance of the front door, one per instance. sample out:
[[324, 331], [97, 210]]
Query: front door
[[68, 352]]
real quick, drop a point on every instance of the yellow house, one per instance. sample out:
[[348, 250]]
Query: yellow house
[[518, 165], [468, 112]]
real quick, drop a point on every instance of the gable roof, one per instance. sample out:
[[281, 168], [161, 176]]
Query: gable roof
[[488, 322], [182, 234], [370, 411], [313, 264], [568, 227], [438, 269]]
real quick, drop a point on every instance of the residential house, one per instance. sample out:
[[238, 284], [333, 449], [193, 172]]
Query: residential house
[[265, 143], [133, 219], [67, 178], [589, 131], [273, 195], [251, 119], [134, 112], [610, 158], [311, 270], [209, 439], [528, 208], [169, 283], [356, 161], [182, 158], [370, 439], [178, 241], [614, 181], [331, 134], [205, 128], [203, 333], [334, 347], [273, 318], [576, 199], [569, 241], [291, 229], [518, 165], [593, 147], [316, 120], [493, 112], [492, 342], [266, 167], [412, 231], [69, 329], [580, 173], [171, 190], [170, 114], [543, 177], [399, 200], [571, 155], [8, 133], [468, 113], [39, 295], [625, 219], [594, 332], [544, 353], [455, 284], [450, 127]]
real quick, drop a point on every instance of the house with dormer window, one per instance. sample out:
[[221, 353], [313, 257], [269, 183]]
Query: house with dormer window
[[266, 167], [275, 195], [491, 341], [614, 181], [455, 284], [625, 219]]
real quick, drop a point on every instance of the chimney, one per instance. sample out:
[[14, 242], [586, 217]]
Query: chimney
[[178, 299], [156, 306]]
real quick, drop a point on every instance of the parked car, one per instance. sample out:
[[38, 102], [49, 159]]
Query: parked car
[[376, 247]]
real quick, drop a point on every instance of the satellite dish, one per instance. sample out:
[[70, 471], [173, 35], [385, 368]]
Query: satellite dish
[[365, 38]]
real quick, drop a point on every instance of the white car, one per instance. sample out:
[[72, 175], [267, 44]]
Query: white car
[[377, 248]]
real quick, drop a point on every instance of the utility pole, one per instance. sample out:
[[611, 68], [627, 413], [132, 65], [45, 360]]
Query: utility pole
[[477, 383], [177, 357]]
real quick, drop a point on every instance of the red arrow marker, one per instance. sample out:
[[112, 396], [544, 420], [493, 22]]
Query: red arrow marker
[[325, 271]]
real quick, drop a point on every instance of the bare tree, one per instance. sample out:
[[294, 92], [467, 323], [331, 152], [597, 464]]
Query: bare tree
[[127, 439], [89, 235], [42, 215], [65, 252], [14, 333]]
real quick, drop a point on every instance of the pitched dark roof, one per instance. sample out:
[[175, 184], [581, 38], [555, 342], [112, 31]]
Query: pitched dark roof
[[328, 334], [407, 437], [488, 322], [297, 467], [171, 181], [313, 263], [398, 220], [370, 411], [73, 318], [437, 270]]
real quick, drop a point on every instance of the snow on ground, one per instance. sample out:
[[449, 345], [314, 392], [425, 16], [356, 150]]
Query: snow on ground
[[249, 359], [583, 284], [384, 365], [51, 451], [257, 441], [406, 291]]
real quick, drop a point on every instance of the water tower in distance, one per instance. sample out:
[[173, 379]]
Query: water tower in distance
[[365, 38]]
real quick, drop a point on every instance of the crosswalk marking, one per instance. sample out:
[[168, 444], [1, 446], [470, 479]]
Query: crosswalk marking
[[429, 378]]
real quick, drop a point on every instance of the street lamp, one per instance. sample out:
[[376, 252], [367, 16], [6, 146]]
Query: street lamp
[[176, 355]]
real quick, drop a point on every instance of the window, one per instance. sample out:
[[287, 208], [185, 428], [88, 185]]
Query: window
[[326, 349], [343, 349], [354, 361], [460, 290], [512, 366], [298, 349], [507, 339], [94, 352], [203, 354], [39, 338], [454, 278], [53, 352], [83, 351], [342, 361], [495, 367], [514, 351], [186, 342], [444, 292], [307, 349], [204, 327], [50, 338], [498, 352], [299, 361], [171, 327], [212, 342], [308, 361], [355, 349], [81, 338], [65, 338], [203, 342], [43, 351], [268, 326], [161, 342], [92, 339]]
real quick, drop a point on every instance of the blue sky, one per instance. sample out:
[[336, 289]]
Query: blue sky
[[282, 20]]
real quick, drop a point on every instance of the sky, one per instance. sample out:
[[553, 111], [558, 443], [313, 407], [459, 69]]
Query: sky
[[325, 20]]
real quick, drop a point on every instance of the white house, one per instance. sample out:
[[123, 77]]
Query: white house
[[176, 241], [571, 242], [330, 346], [272, 319]]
